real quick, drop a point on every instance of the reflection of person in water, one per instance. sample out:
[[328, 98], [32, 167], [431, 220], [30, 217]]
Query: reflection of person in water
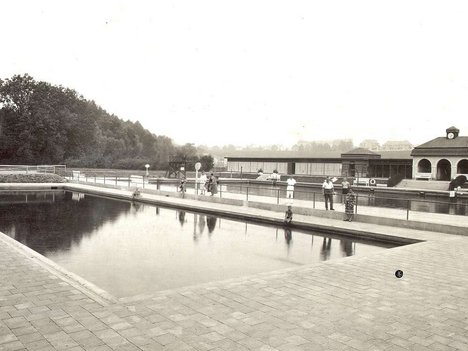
[[326, 248], [182, 217], [288, 235], [201, 224], [211, 223], [136, 206], [346, 247]]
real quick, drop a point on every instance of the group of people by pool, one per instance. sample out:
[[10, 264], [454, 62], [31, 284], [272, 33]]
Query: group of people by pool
[[210, 185], [205, 184], [328, 188]]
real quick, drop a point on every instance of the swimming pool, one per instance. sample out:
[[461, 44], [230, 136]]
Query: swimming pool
[[127, 248]]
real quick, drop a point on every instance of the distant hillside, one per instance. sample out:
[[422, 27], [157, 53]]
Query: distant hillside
[[45, 124]]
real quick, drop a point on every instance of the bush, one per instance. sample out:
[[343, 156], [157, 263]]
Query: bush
[[130, 163], [458, 181], [31, 178], [395, 179]]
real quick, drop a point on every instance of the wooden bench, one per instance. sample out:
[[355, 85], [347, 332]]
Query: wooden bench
[[427, 176]]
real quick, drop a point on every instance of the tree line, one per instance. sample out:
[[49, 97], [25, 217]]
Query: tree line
[[41, 123], [301, 148]]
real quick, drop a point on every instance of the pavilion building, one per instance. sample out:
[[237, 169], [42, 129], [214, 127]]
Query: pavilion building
[[442, 158]]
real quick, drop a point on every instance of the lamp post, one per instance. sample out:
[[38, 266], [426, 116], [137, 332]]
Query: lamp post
[[197, 168]]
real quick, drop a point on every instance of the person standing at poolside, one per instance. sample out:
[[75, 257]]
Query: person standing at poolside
[[349, 205], [182, 184], [344, 189], [213, 185], [290, 188], [202, 183], [328, 193]]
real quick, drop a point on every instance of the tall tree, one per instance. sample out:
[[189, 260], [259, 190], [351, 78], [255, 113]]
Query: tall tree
[[42, 123]]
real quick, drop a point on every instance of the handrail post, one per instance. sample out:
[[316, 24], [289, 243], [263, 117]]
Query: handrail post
[[220, 190], [115, 180], [408, 204], [129, 182], [104, 179], [247, 193], [277, 197], [95, 179], [314, 199]]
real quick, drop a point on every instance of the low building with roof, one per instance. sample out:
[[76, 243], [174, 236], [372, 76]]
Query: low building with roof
[[442, 158], [356, 163]]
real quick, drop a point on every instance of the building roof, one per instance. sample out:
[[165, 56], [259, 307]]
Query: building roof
[[359, 151], [396, 154], [283, 155], [442, 146]]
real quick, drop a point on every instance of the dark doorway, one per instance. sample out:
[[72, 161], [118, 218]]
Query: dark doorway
[[352, 169], [291, 168], [444, 170], [462, 167]]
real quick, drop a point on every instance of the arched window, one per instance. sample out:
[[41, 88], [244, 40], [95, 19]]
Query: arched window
[[444, 170], [462, 167], [424, 166]]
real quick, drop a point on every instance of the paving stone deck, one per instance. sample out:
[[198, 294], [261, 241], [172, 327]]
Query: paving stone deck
[[355, 303]]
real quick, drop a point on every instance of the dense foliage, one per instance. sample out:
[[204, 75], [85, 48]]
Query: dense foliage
[[458, 181], [45, 124], [31, 178]]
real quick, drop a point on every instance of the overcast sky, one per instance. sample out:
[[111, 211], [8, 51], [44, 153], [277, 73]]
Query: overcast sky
[[253, 72]]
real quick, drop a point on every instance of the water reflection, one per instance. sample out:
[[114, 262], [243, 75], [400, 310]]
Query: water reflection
[[325, 251], [199, 223], [288, 236], [424, 203], [127, 249], [347, 247], [54, 220], [181, 215], [211, 223]]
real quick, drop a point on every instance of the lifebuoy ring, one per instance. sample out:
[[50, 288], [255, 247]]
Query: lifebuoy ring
[[372, 182]]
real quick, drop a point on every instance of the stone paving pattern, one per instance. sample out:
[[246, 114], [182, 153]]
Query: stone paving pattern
[[355, 303]]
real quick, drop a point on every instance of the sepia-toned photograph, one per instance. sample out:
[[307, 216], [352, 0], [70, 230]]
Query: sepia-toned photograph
[[233, 175]]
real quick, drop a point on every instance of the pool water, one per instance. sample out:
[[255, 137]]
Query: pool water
[[129, 249]]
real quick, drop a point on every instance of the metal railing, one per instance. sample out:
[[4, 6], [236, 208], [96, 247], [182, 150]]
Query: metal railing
[[27, 169], [278, 194]]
